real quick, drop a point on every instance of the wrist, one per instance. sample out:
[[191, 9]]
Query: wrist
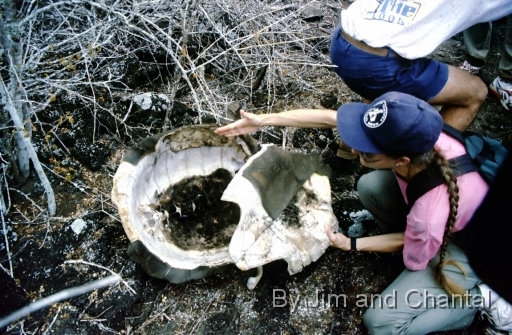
[[346, 244], [264, 120]]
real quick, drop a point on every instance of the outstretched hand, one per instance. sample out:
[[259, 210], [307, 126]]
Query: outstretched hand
[[337, 239], [247, 124]]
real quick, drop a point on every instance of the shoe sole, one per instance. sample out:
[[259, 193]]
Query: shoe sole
[[498, 95]]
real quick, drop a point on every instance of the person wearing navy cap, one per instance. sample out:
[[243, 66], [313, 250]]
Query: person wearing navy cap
[[400, 136]]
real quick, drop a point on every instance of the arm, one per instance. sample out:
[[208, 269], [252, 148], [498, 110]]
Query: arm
[[305, 118], [380, 243]]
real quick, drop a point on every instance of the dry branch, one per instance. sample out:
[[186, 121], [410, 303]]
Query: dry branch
[[54, 298], [83, 55]]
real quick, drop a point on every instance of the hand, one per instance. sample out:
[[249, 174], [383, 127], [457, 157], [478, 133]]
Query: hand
[[247, 124], [338, 240]]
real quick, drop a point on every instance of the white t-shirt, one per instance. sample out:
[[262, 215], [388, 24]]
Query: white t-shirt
[[414, 28]]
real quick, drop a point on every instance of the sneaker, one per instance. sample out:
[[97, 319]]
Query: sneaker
[[503, 90], [499, 313], [345, 152], [471, 69]]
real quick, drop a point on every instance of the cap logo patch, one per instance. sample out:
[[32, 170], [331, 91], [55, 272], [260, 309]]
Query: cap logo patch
[[376, 115]]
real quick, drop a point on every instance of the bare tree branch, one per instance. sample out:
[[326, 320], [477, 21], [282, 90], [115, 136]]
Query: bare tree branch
[[29, 147], [89, 56], [54, 298]]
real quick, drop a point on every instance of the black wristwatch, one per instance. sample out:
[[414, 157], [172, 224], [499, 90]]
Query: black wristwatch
[[353, 244]]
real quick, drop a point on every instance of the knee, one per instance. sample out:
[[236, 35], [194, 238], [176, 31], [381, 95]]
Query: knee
[[377, 321], [369, 320], [367, 186], [372, 318], [480, 91]]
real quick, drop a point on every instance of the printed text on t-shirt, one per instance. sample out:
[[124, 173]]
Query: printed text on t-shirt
[[399, 12]]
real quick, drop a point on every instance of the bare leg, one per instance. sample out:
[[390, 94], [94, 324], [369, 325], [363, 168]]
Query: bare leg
[[461, 98]]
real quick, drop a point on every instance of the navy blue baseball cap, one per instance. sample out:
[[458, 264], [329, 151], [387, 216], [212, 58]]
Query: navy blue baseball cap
[[394, 123]]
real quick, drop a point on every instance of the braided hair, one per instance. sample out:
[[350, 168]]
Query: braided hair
[[453, 191], [436, 160]]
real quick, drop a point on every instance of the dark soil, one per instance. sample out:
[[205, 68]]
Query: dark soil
[[198, 219], [86, 237]]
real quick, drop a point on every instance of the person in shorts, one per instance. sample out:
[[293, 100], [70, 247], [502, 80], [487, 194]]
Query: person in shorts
[[382, 46]]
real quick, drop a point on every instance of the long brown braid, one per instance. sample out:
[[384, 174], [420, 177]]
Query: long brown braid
[[437, 160]]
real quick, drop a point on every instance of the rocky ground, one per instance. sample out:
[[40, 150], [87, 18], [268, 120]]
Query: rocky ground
[[86, 241]]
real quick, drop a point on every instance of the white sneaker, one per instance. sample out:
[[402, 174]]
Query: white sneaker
[[499, 313], [503, 90]]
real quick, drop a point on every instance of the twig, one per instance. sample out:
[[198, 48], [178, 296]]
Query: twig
[[104, 268], [5, 206], [78, 187], [7, 249], [115, 218], [32, 202], [160, 311], [96, 318], [53, 321], [201, 318], [54, 298], [30, 148]]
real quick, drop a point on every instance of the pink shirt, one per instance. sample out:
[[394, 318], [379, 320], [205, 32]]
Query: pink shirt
[[427, 219]]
